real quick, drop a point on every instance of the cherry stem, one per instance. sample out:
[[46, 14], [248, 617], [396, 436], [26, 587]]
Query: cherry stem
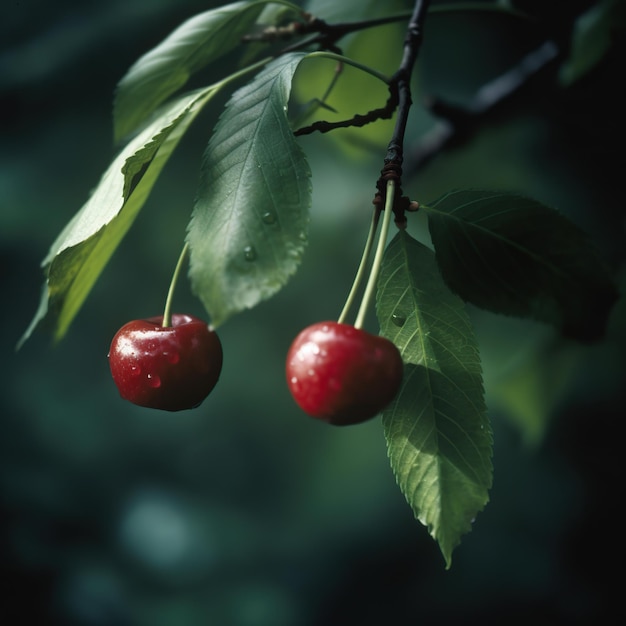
[[370, 287], [167, 312], [362, 267]]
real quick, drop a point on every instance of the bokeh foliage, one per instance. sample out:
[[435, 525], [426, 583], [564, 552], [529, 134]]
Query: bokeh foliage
[[283, 522]]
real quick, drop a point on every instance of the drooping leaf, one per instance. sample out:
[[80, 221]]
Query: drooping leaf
[[438, 434], [85, 245], [166, 68], [513, 255], [249, 224]]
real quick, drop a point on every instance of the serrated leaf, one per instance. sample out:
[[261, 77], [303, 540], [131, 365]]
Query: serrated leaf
[[166, 68], [249, 224], [438, 434], [513, 255], [85, 245]]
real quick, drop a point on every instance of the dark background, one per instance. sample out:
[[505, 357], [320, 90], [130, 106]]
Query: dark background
[[243, 511]]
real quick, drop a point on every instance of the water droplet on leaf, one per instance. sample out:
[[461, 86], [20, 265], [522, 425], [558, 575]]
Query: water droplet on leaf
[[249, 253], [269, 218], [398, 319]]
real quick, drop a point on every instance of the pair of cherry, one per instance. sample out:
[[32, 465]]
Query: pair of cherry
[[336, 372]]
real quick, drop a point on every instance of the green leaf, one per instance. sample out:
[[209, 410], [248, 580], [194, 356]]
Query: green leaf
[[166, 68], [513, 255], [438, 434], [593, 34], [528, 371], [85, 245], [248, 229]]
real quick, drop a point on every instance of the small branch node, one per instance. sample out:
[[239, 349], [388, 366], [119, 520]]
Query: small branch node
[[401, 204]]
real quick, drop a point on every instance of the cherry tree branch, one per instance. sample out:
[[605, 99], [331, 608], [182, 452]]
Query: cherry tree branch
[[325, 35], [402, 79], [392, 169], [457, 123], [358, 120]]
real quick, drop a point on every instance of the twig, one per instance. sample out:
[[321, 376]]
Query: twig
[[392, 169], [358, 120], [325, 35], [402, 78]]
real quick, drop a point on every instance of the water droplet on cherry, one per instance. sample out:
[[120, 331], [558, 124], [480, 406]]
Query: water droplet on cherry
[[172, 357], [154, 381], [334, 384], [135, 370]]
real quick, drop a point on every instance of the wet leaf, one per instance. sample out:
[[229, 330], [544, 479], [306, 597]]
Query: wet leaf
[[249, 224], [437, 430]]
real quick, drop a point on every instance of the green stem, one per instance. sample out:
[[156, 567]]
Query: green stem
[[348, 61], [378, 258], [246, 70], [167, 313], [362, 267]]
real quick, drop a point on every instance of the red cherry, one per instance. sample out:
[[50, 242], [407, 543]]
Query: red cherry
[[170, 368], [342, 374]]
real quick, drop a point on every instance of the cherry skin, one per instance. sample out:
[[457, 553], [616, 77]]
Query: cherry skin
[[341, 374], [170, 368]]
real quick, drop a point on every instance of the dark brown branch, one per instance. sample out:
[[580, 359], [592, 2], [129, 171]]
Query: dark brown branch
[[392, 168], [399, 86], [325, 35], [457, 123], [402, 78], [357, 121]]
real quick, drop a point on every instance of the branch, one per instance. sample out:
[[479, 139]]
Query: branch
[[457, 123], [402, 79], [326, 35], [358, 120]]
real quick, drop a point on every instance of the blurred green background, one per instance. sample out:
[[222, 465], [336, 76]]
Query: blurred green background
[[244, 512]]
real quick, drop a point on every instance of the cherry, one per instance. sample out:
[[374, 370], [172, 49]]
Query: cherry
[[341, 374], [166, 367]]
